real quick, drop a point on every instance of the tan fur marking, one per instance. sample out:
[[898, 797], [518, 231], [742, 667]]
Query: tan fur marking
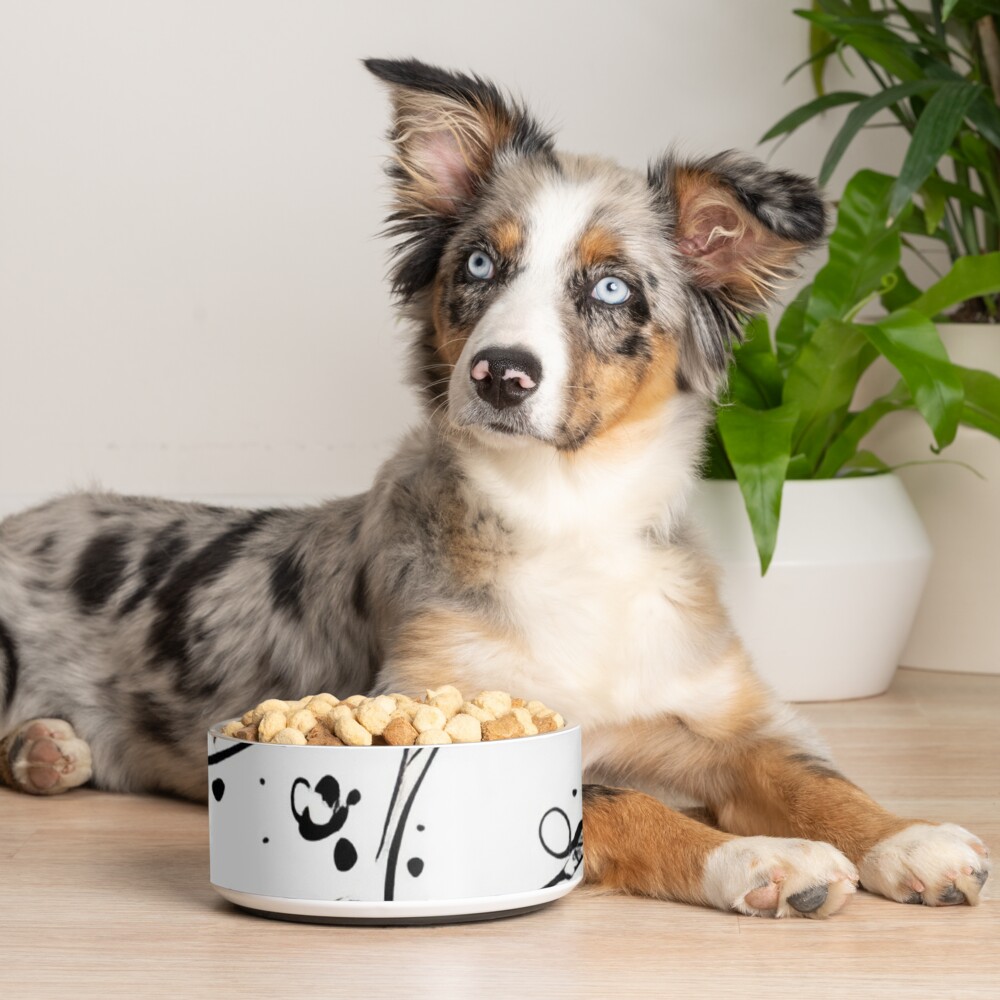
[[434, 648], [740, 716], [753, 784], [598, 245], [635, 844], [507, 236], [619, 395], [778, 796], [657, 386], [476, 550], [448, 340]]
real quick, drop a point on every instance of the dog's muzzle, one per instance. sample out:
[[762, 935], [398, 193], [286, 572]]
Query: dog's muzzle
[[504, 376]]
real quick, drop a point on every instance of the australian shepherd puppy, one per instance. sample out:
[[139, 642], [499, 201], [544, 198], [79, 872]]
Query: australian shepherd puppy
[[571, 325]]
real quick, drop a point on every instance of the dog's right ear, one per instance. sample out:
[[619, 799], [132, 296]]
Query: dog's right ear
[[448, 131]]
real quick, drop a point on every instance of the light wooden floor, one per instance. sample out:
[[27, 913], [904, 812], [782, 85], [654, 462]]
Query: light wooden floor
[[108, 896]]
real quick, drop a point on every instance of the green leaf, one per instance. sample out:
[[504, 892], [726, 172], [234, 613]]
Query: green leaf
[[819, 47], [756, 336], [936, 130], [862, 251], [899, 293], [799, 468], [865, 463], [934, 206], [758, 444], [789, 334], [873, 40], [854, 12], [969, 278], [949, 189], [715, 464], [887, 49], [802, 114], [947, 7], [982, 399], [845, 445], [822, 381], [985, 115], [754, 377], [919, 27], [910, 341], [865, 110]]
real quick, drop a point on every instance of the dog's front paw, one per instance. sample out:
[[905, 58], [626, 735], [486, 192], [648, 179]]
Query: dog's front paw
[[935, 865], [45, 757], [776, 877]]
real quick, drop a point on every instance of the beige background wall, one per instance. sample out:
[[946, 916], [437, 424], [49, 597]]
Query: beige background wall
[[191, 286]]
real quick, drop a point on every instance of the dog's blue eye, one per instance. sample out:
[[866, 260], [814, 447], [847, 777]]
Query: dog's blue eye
[[612, 291], [480, 265]]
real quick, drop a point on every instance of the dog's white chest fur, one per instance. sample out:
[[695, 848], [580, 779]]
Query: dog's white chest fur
[[608, 631], [608, 618]]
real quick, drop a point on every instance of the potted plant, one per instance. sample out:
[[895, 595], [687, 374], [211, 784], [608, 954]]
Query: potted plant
[[794, 411], [936, 75], [849, 565]]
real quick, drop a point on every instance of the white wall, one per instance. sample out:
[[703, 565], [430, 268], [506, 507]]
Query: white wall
[[191, 288]]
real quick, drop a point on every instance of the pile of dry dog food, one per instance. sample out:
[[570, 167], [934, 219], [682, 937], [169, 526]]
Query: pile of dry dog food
[[443, 715]]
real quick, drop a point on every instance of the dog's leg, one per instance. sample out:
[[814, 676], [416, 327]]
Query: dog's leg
[[635, 844], [784, 792], [44, 757], [756, 766]]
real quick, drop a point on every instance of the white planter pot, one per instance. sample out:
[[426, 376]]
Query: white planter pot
[[957, 626], [832, 616]]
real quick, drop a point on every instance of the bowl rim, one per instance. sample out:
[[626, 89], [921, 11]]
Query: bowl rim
[[215, 731]]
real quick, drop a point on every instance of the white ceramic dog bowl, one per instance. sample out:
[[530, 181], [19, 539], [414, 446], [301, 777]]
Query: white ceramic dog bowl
[[396, 834]]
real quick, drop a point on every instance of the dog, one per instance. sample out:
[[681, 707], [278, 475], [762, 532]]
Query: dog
[[572, 322]]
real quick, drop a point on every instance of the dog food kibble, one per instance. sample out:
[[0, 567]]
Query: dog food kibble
[[443, 715], [432, 736], [429, 718], [400, 732], [270, 725], [504, 728], [352, 732], [293, 737]]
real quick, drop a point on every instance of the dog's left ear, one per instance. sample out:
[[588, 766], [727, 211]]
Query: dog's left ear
[[740, 225], [740, 228]]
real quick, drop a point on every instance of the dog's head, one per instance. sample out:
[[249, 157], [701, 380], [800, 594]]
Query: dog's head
[[558, 296]]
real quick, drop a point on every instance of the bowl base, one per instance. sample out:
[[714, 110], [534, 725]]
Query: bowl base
[[461, 918], [400, 912]]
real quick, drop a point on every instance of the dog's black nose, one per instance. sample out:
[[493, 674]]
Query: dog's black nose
[[505, 376]]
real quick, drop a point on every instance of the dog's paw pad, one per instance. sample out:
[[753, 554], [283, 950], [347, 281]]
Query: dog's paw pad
[[775, 877], [941, 865], [47, 757], [809, 900]]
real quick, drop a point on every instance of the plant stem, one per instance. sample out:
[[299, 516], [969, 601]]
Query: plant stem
[[954, 228], [938, 23], [950, 226], [991, 188], [970, 235], [991, 52], [991, 234], [883, 83]]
